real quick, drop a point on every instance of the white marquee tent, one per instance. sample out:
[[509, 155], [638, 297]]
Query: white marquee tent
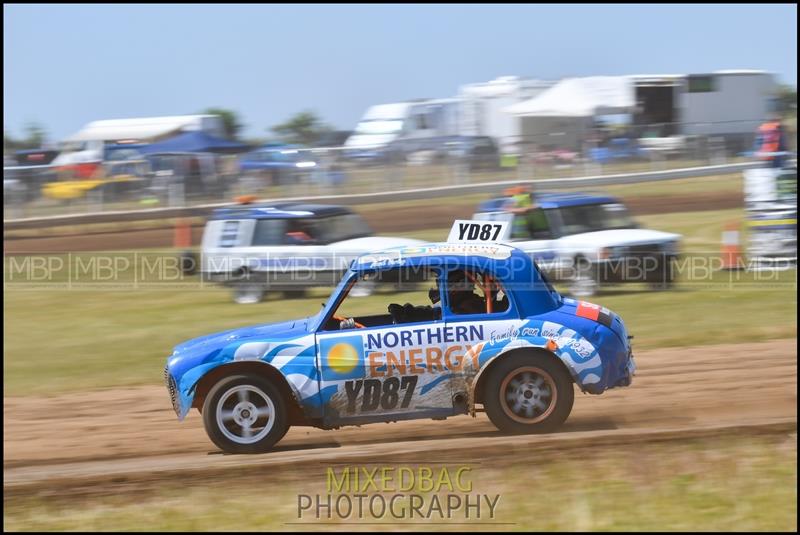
[[146, 128], [580, 97], [562, 115]]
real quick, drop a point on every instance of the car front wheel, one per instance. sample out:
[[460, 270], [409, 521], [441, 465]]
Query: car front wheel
[[528, 393], [244, 414]]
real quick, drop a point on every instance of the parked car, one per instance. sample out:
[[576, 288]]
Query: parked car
[[618, 149], [478, 152], [278, 164], [26, 173], [484, 329], [35, 157], [586, 239], [284, 247]]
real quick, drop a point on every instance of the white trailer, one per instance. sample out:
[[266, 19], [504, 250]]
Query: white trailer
[[730, 104], [475, 111], [433, 118], [482, 105], [380, 125], [423, 118]]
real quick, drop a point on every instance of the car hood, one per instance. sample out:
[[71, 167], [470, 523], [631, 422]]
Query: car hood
[[210, 344], [194, 358], [619, 237]]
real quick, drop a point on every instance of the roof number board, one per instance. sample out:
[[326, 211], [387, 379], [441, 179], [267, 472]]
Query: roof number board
[[466, 231]]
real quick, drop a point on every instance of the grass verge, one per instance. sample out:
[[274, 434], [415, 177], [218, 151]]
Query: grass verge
[[712, 484]]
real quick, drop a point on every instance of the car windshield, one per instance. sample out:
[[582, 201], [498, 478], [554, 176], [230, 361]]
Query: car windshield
[[593, 218]]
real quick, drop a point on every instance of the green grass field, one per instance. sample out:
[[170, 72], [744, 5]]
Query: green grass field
[[59, 340], [747, 484]]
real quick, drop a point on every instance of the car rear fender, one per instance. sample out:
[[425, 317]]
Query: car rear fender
[[577, 355]]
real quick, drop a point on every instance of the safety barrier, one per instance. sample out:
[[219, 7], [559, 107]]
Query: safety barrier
[[380, 197]]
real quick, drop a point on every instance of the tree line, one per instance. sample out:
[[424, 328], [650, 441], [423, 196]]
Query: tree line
[[303, 128]]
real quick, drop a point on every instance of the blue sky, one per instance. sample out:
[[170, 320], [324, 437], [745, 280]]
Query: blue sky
[[67, 65]]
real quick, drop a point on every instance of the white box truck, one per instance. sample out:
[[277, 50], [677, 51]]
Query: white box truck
[[727, 104]]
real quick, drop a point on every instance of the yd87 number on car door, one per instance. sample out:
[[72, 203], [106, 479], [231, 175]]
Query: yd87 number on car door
[[387, 394]]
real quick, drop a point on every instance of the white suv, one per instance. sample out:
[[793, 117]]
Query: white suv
[[285, 247], [587, 240]]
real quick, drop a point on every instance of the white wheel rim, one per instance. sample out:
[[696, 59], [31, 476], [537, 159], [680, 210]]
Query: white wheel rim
[[248, 296], [245, 414], [528, 395]]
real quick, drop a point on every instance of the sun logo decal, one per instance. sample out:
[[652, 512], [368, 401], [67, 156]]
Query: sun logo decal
[[342, 358]]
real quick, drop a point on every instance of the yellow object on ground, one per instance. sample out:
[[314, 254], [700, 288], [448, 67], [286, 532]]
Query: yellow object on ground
[[75, 189]]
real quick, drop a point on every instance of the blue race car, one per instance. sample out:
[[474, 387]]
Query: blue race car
[[477, 325]]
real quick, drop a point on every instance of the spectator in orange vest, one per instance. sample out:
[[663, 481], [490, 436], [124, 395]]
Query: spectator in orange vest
[[771, 142]]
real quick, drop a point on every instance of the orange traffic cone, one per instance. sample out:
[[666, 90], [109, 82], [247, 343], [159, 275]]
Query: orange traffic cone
[[732, 258], [183, 234]]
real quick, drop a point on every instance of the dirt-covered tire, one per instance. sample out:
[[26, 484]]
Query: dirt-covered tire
[[528, 392], [244, 414]]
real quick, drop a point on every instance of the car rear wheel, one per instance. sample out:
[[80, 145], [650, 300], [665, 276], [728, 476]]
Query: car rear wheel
[[528, 393], [244, 414]]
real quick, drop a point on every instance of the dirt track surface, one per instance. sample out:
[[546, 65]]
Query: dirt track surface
[[134, 430], [403, 219]]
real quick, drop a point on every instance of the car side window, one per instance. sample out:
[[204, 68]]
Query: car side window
[[268, 232], [474, 292], [399, 296], [230, 234], [302, 232]]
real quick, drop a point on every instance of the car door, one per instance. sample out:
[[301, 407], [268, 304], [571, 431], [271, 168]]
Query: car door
[[383, 372], [291, 254], [471, 329]]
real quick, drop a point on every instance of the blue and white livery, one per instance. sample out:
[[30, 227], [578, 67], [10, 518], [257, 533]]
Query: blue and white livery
[[494, 334]]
